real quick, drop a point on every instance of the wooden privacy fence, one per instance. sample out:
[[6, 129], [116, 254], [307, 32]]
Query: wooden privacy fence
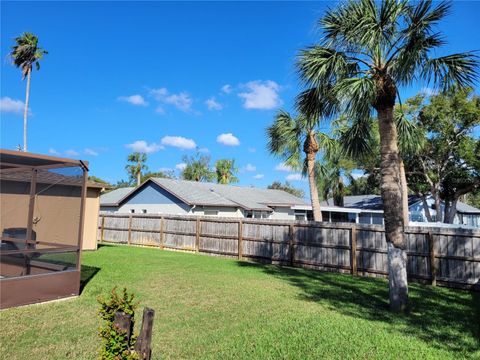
[[449, 257]]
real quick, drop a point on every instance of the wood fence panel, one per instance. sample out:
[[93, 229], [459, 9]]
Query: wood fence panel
[[455, 252]]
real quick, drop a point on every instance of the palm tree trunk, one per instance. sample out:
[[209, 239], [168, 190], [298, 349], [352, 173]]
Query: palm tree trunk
[[25, 111], [391, 188], [317, 213], [139, 178], [403, 177]]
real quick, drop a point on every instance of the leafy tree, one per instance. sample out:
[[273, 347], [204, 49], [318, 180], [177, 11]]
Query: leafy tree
[[158, 174], [449, 164], [225, 170], [25, 53], [287, 187], [197, 168], [364, 185], [288, 137], [136, 167], [369, 50], [98, 180]]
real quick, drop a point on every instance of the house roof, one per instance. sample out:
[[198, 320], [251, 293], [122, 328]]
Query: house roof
[[113, 198], [209, 194], [374, 202]]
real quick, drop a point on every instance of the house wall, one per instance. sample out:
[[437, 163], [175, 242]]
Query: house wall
[[283, 213], [56, 212], [221, 211], [154, 200]]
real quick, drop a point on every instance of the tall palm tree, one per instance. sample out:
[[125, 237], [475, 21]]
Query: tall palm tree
[[368, 50], [287, 137], [25, 53], [226, 170], [135, 169]]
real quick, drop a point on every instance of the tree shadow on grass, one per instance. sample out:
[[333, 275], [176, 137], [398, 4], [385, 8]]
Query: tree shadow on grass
[[449, 318], [86, 274]]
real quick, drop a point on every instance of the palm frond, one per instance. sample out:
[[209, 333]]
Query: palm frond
[[357, 139], [447, 71]]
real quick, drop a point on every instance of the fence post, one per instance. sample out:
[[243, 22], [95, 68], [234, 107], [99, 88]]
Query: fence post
[[142, 346], [353, 250], [291, 235], [433, 270], [102, 228], [162, 234], [129, 229], [197, 235], [240, 239], [123, 322]]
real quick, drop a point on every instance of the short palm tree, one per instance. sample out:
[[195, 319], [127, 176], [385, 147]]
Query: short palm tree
[[287, 137], [225, 170], [368, 50], [25, 53], [137, 165]]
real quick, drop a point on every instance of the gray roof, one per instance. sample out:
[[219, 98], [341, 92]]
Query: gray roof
[[113, 197], [374, 202], [208, 194]]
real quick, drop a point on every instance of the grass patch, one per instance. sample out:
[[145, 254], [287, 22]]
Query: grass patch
[[210, 307]]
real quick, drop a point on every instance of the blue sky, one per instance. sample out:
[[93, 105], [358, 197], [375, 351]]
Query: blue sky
[[167, 78]]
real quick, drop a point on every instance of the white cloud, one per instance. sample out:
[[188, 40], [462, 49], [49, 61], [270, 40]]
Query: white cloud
[[203, 150], [180, 166], [212, 104], [261, 95], [71, 152], [53, 151], [283, 167], [91, 152], [358, 175], [10, 105], [428, 91], [228, 139], [136, 100], [227, 88], [294, 177], [165, 169], [143, 147], [259, 176], [160, 111], [250, 167], [179, 141], [181, 101]]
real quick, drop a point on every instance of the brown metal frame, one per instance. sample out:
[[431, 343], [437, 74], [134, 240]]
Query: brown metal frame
[[32, 288]]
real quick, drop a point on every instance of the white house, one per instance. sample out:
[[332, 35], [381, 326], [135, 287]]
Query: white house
[[177, 197]]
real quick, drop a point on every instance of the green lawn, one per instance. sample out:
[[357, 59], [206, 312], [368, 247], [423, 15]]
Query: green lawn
[[210, 307]]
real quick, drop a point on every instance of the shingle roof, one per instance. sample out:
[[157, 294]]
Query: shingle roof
[[208, 194], [113, 197], [374, 202]]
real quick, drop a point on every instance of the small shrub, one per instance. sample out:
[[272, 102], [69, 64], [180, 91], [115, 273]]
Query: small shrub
[[115, 343]]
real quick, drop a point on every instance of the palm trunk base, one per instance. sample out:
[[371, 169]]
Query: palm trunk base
[[397, 278]]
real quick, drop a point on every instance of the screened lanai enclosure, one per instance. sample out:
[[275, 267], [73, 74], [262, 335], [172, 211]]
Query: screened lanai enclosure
[[42, 200]]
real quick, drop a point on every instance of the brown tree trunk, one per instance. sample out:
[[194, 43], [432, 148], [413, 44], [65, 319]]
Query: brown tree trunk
[[310, 147], [25, 111], [426, 209], [450, 211], [403, 177], [438, 207], [391, 188]]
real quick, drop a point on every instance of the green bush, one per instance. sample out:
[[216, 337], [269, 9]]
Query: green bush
[[115, 343]]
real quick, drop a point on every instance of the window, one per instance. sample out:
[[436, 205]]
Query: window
[[210, 212], [132, 211], [144, 211], [300, 215], [255, 214]]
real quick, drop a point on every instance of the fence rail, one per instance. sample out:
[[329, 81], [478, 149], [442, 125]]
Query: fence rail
[[447, 257]]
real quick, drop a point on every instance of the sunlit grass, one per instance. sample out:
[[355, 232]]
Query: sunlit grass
[[210, 307]]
